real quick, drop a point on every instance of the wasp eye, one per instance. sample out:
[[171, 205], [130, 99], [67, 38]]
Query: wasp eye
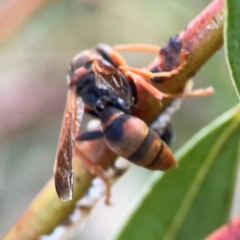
[[80, 60], [105, 52]]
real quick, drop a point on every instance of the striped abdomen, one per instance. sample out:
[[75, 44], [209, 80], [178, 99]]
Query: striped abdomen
[[132, 139]]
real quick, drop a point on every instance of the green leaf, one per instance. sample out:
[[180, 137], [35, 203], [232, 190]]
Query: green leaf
[[232, 41], [189, 202]]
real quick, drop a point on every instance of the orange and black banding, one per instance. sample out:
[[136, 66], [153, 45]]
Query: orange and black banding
[[147, 151], [153, 153], [122, 134], [164, 159], [131, 138]]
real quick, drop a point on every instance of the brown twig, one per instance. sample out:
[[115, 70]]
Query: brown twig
[[201, 38]]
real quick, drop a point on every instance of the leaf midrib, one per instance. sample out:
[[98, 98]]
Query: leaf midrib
[[192, 191]]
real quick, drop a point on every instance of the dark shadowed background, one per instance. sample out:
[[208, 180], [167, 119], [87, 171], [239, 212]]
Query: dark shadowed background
[[33, 65]]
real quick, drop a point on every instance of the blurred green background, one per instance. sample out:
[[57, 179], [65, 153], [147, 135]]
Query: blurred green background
[[33, 65]]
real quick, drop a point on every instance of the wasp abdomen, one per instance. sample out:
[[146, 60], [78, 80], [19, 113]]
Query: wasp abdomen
[[122, 134], [164, 159], [132, 139], [153, 153]]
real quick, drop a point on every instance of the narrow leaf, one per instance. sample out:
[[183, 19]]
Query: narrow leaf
[[232, 41], [192, 200]]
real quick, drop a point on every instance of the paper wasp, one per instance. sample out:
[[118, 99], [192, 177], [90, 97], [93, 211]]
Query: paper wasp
[[102, 80]]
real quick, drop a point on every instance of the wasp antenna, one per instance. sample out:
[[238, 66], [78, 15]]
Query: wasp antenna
[[150, 88], [138, 47]]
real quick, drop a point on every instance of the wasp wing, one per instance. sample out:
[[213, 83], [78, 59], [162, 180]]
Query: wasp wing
[[63, 168], [113, 79]]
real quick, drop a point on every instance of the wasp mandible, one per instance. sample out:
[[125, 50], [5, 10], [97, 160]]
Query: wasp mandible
[[101, 80]]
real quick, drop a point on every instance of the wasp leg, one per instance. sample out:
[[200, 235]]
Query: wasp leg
[[117, 58], [91, 112], [88, 136], [150, 88], [95, 169], [138, 47], [149, 75], [175, 71], [160, 95]]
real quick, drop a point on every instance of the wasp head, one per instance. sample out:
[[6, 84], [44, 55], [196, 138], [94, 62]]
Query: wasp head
[[79, 67]]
